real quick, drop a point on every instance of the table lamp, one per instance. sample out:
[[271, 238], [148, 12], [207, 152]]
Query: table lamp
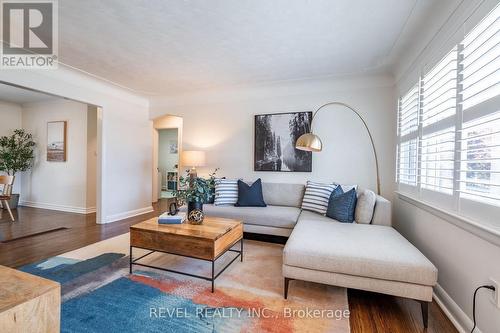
[[193, 159]]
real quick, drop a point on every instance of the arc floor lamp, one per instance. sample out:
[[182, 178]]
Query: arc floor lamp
[[312, 142]]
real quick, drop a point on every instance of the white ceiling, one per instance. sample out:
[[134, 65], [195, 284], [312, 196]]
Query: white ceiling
[[20, 96], [174, 46]]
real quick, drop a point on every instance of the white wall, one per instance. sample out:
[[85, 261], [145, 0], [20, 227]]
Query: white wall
[[10, 119], [166, 160], [10, 116], [222, 124], [463, 259], [57, 185], [126, 136]]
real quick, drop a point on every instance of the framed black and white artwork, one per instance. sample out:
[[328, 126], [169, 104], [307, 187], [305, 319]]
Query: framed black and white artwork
[[275, 136]]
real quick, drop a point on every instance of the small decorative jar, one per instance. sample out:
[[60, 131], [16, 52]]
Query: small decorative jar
[[196, 216]]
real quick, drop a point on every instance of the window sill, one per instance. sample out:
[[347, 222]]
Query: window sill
[[484, 231]]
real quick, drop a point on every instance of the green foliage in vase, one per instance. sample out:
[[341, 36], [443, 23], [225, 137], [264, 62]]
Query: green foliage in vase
[[195, 190], [17, 152]]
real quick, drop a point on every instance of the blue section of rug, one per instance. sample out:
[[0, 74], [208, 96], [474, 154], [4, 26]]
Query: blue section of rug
[[63, 270], [124, 305], [128, 306]]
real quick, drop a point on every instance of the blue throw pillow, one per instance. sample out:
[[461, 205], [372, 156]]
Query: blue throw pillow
[[250, 195], [341, 206]]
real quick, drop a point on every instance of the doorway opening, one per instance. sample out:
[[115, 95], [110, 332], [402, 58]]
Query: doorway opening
[[64, 174], [167, 147], [168, 161]]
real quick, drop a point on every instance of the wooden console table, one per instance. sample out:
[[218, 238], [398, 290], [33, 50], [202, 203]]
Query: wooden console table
[[28, 303]]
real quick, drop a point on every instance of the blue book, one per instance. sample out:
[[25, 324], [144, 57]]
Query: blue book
[[165, 218]]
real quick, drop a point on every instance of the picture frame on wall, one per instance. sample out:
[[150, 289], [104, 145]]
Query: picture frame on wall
[[172, 147], [56, 141], [275, 137]]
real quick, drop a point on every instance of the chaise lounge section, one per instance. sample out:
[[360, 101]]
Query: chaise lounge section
[[360, 256]]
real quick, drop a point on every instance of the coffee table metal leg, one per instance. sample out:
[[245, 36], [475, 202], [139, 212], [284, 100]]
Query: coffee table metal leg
[[211, 278], [213, 271], [130, 261], [241, 249]]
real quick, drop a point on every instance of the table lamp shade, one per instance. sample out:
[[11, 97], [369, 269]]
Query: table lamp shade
[[193, 158]]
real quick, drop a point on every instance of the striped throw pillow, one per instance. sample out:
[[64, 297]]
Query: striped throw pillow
[[226, 192], [316, 197]]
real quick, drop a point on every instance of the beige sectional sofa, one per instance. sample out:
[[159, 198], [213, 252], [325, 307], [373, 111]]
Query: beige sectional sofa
[[372, 257]]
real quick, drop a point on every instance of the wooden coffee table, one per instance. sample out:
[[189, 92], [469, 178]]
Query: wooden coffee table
[[208, 241]]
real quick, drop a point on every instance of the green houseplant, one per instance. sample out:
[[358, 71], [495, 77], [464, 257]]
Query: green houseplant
[[195, 191], [17, 153]]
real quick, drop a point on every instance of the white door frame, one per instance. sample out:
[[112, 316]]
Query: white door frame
[[100, 216]]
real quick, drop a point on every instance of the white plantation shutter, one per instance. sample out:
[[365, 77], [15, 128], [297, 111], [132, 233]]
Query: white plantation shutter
[[449, 150], [408, 111], [480, 162], [479, 174], [408, 133], [481, 62], [439, 105], [440, 90], [437, 161], [407, 162]]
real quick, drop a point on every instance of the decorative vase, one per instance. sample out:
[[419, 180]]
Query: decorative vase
[[192, 205], [196, 216]]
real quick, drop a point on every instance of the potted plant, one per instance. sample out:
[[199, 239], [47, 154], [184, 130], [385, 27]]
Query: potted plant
[[195, 191], [17, 153]]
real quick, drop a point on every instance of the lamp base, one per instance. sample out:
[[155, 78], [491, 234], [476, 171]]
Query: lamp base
[[192, 173]]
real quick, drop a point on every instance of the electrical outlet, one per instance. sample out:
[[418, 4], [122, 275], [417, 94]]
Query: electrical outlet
[[496, 293]]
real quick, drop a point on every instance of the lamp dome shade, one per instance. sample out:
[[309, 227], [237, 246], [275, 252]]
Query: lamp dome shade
[[309, 142], [193, 158]]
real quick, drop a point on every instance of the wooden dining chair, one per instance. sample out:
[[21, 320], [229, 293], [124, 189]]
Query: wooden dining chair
[[6, 193]]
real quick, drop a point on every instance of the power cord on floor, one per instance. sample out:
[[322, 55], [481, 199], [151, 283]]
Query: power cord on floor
[[474, 304]]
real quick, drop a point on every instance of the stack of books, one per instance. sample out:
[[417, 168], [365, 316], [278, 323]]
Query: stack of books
[[165, 218]]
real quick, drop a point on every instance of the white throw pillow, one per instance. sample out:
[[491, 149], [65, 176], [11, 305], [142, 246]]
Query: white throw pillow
[[316, 197], [365, 207], [226, 192]]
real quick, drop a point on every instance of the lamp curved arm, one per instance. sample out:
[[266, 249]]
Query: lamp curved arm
[[364, 124]]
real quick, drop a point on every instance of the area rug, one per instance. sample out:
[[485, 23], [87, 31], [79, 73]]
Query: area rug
[[99, 294]]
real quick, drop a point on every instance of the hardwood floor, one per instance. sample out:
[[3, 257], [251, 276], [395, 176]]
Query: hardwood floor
[[81, 231], [370, 312], [377, 313]]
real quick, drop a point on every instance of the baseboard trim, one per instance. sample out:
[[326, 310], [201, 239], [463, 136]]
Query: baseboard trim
[[130, 213], [451, 309], [62, 208]]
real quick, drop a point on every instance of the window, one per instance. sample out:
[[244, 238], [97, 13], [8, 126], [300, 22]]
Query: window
[[408, 131], [480, 164], [437, 161], [479, 174], [407, 170], [481, 62], [439, 105], [440, 90], [449, 124]]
